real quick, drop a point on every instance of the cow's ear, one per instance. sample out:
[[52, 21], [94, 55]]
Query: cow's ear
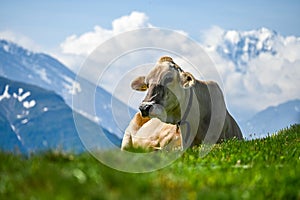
[[139, 84], [187, 80]]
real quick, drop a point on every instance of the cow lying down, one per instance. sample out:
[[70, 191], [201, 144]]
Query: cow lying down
[[186, 107], [151, 134]]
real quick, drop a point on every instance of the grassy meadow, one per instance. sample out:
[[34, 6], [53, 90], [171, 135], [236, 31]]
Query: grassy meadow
[[267, 168]]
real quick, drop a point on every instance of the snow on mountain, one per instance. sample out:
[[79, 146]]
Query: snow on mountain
[[34, 119], [17, 63], [36, 68], [272, 119], [242, 46]]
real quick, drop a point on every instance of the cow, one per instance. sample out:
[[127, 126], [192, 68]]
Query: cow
[[151, 134], [197, 107]]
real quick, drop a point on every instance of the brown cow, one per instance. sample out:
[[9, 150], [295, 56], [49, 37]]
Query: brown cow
[[197, 107]]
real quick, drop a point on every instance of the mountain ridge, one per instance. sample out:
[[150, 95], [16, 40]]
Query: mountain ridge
[[272, 119], [20, 64]]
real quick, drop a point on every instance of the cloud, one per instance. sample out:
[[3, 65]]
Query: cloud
[[133, 21], [210, 38], [87, 42], [74, 49]]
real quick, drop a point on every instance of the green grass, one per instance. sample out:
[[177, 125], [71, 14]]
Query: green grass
[[258, 169]]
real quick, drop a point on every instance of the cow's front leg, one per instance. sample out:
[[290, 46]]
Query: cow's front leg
[[135, 124]]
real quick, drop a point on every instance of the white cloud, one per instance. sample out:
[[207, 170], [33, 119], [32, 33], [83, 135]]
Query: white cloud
[[75, 49], [87, 42], [210, 38], [133, 21]]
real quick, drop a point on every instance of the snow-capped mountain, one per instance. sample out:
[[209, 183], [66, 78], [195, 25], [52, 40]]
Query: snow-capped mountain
[[272, 119], [259, 68], [34, 119], [242, 46], [17, 63], [39, 69]]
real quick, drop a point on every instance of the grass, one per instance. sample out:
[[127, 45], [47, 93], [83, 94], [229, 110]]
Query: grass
[[258, 169]]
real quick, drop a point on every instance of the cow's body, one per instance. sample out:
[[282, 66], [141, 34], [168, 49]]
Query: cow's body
[[150, 134], [206, 92], [197, 107]]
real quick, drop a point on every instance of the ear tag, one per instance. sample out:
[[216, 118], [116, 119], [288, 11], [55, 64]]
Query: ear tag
[[144, 87]]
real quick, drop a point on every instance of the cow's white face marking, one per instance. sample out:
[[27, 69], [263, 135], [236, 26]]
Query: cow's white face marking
[[166, 84]]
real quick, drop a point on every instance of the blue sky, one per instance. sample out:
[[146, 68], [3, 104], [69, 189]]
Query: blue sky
[[49, 23]]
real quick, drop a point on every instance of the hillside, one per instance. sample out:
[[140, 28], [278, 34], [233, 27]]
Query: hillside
[[33, 119], [257, 169], [272, 119]]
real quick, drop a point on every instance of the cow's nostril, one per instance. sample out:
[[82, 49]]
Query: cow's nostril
[[145, 108]]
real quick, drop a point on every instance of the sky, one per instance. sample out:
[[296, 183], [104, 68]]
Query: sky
[[48, 23], [71, 30]]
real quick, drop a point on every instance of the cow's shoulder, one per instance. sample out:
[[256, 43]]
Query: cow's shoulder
[[205, 86], [211, 85], [206, 90]]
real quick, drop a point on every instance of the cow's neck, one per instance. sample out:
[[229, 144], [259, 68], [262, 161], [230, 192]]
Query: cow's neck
[[188, 106], [186, 123]]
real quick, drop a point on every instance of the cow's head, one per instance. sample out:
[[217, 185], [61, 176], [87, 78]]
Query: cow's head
[[166, 84]]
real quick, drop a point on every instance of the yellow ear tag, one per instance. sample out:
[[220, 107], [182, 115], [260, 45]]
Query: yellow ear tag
[[144, 87]]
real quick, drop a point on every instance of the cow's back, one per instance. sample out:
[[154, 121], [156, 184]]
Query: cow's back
[[203, 98]]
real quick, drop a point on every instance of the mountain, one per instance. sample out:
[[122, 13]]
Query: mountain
[[34, 119], [242, 46], [272, 119], [39, 69], [259, 68], [19, 64]]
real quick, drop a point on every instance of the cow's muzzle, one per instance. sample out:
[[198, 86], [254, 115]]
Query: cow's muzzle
[[145, 108]]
